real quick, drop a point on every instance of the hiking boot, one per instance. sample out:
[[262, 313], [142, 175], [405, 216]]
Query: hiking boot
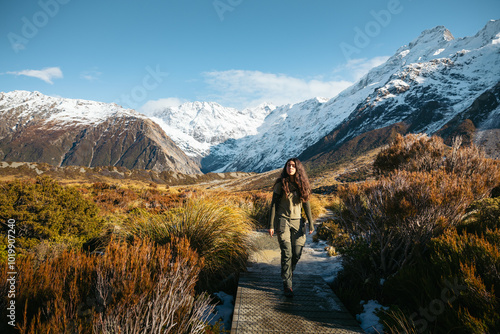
[[288, 292]]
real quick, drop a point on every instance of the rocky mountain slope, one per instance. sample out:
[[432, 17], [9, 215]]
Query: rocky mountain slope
[[64, 132], [428, 85]]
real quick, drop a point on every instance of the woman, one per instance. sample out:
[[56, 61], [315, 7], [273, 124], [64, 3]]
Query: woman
[[290, 193]]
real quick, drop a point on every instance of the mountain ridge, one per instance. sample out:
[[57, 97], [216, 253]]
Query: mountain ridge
[[197, 126], [61, 132]]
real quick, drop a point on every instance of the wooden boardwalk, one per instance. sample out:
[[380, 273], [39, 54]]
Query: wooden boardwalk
[[261, 307]]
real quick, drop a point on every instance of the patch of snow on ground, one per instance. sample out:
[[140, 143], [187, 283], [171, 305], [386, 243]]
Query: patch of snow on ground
[[315, 260], [223, 311], [368, 318]]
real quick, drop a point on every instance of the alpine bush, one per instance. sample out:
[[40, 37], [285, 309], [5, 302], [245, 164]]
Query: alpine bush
[[424, 238], [457, 283], [136, 287], [46, 212]]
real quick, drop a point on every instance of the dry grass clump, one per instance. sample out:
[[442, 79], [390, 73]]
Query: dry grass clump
[[318, 205], [257, 204], [216, 230]]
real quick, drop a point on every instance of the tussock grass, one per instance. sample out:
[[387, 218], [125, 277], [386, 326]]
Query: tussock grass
[[318, 205], [218, 231]]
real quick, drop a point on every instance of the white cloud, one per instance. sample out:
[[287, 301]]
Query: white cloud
[[46, 74], [355, 69], [154, 105], [242, 88], [91, 75]]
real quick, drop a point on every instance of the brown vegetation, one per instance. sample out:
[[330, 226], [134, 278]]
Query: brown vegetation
[[216, 229], [424, 222], [71, 290], [129, 288]]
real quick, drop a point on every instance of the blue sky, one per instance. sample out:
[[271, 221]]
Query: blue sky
[[238, 53]]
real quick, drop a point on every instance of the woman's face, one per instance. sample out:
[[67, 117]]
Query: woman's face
[[291, 168]]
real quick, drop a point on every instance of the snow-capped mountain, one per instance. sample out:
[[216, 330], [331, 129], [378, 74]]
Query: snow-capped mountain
[[424, 85], [39, 128], [198, 126], [436, 84], [286, 131]]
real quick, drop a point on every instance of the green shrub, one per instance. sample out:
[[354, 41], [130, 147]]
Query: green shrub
[[457, 283], [454, 286], [333, 233], [357, 280], [46, 212], [482, 216]]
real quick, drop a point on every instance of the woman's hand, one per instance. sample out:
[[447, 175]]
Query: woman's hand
[[311, 228], [271, 232]]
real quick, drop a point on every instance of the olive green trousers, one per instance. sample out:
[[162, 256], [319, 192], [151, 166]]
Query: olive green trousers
[[292, 241]]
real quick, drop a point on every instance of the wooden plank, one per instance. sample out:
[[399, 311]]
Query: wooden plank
[[261, 307]]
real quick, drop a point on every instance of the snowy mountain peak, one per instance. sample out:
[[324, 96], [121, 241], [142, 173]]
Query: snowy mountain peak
[[30, 105], [436, 35], [490, 33], [438, 43], [197, 126]]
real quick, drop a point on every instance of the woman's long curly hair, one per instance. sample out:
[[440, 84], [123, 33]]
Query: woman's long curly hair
[[301, 180]]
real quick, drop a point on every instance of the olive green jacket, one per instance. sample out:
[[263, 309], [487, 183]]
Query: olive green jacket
[[288, 207]]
